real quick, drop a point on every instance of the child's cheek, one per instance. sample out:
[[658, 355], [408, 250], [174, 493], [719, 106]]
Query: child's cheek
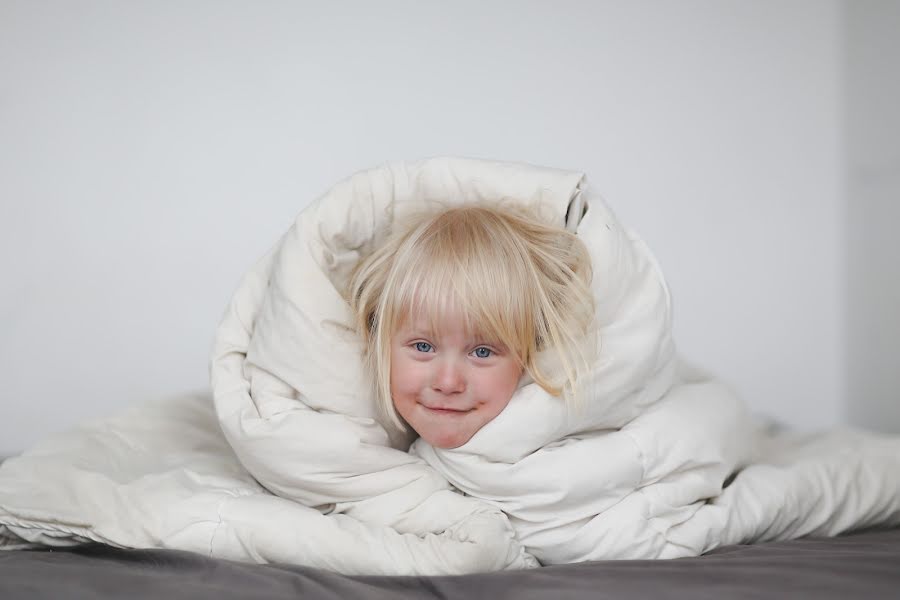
[[406, 378]]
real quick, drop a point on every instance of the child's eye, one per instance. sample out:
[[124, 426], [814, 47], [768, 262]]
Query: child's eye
[[423, 346], [482, 352]]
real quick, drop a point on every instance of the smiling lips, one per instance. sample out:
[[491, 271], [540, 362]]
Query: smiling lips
[[447, 411]]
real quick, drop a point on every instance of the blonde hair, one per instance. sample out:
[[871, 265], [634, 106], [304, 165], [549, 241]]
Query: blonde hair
[[511, 277]]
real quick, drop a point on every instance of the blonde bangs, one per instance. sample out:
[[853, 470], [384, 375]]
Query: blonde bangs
[[457, 266]]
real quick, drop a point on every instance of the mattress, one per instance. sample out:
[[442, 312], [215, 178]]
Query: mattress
[[864, 564]]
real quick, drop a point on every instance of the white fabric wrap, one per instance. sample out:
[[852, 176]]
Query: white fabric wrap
[[287, 377], [308, 473]]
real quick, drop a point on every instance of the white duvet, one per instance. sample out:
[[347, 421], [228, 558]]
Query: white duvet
[[288, 460]]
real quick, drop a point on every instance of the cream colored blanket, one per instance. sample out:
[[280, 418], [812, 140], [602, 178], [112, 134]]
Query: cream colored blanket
[[289, 461]]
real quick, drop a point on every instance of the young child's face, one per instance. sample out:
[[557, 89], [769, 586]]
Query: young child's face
[[448, 384]]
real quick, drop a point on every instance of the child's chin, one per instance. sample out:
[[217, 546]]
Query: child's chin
[[445, 441]]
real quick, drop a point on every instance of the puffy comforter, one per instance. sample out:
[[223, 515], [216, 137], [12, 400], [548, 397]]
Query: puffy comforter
[[289, 461]]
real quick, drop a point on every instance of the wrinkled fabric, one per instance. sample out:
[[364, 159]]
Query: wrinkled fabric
[[291, 462]]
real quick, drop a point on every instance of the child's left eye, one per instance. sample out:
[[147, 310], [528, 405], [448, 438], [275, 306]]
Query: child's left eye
[[482, 352]]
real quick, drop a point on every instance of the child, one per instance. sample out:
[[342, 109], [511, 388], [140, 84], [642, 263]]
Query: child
[[456, 306]]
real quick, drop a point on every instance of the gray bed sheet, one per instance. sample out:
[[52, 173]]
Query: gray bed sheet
[[860, 565]]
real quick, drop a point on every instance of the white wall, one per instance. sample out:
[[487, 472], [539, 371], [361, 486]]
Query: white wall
[[151, 152], [872, 90]]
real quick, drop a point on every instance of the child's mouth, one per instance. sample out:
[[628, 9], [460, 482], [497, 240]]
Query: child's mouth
[[447, 411]]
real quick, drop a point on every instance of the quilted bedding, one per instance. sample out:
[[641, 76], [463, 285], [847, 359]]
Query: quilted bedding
[[289, 461]]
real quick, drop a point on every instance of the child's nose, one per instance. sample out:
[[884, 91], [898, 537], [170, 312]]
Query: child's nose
[[449, 378]]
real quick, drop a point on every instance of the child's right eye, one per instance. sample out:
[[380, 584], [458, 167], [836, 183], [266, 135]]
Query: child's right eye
[[423, 346]]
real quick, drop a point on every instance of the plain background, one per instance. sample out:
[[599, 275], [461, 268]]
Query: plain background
[[150, 152]]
